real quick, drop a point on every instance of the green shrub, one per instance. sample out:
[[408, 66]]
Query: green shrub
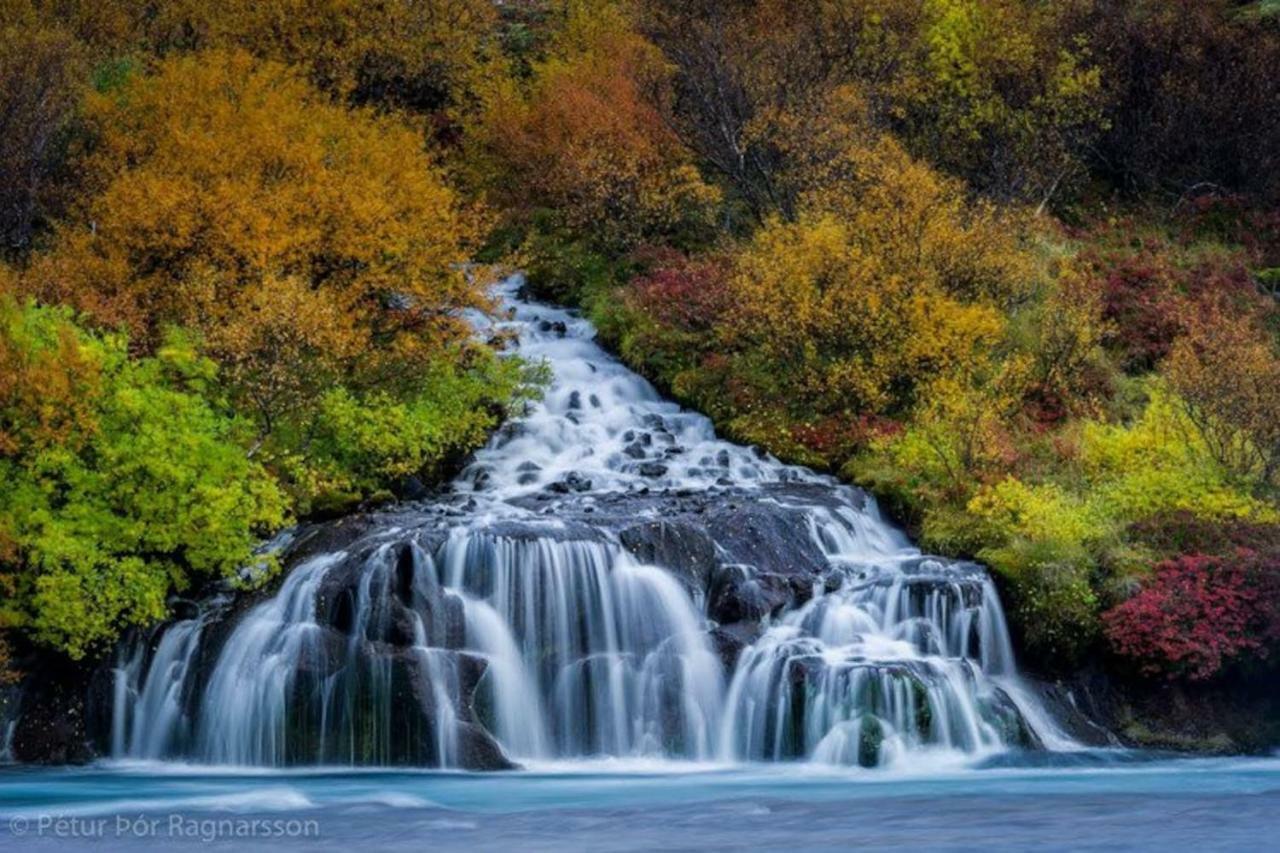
[[362, 444], [148, 492], [1051, 600]]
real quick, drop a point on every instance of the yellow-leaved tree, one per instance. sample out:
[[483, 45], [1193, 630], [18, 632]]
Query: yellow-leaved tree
[[888, 279], [306, 244]]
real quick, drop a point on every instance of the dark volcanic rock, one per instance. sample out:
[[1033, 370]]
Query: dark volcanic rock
[[572, 482], [683, 548], [324, 653], [739, 593], [311, 540], [477, 750], [729, 641], [51, 725], [400, 598], [411, 489], [766, 537]]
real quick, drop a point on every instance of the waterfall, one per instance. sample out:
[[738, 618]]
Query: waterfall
[[886, 664], [8, 725], [606, 578], [155, 722], [611, 655]]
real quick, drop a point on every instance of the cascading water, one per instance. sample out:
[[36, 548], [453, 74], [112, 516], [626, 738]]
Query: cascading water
[[601, 655], [607, 578]]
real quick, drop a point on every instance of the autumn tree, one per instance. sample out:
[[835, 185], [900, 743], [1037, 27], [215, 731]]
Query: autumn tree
[[48, 381], [307, 245], [740, 67], [1200, 614], [583, 138], [887, 280], [40, 76], [220, 175], [1227, 371], [1002, 96], [992, 91], [423, 56], [1067, 329]]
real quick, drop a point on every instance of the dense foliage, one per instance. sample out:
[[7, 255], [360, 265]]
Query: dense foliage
[[1199, 613], [1012, 265], [237, 293], [123, 477]]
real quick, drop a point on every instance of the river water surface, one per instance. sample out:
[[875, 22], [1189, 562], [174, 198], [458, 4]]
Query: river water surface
[[1091, 801]]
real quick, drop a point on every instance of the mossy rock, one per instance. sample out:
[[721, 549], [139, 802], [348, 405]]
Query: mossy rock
[[870, 739]]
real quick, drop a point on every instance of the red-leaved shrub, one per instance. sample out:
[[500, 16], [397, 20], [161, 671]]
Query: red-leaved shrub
[[1151, 292], [685, 293], [1138, 301], [1199, 613]]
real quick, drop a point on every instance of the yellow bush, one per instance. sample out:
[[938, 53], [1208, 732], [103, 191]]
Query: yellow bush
[[1127, 473], [1160, 464], [1043, 513], [302, 240]]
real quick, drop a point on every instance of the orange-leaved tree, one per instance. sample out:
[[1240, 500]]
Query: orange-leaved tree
[[307, 245], [584, 139], [1226, 367]]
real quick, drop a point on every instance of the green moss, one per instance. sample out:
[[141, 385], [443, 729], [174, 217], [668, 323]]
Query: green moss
[[870, 739]]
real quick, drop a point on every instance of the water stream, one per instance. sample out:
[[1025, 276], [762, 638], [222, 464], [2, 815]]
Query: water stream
[[606, 578]]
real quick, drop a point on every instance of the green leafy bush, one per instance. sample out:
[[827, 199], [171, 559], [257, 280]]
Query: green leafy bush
[[149, 490], [362, 444], [1051, 599]]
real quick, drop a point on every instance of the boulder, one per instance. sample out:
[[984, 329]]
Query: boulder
[[681, 547], [652, 469]]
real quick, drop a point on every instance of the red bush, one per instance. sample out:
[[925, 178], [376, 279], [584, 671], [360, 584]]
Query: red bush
[[1198, 614], [685, 293], [836, 437], [1137, 300], [1151, 292]]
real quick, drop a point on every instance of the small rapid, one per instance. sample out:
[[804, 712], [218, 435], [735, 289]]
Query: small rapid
[[606, 578]]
